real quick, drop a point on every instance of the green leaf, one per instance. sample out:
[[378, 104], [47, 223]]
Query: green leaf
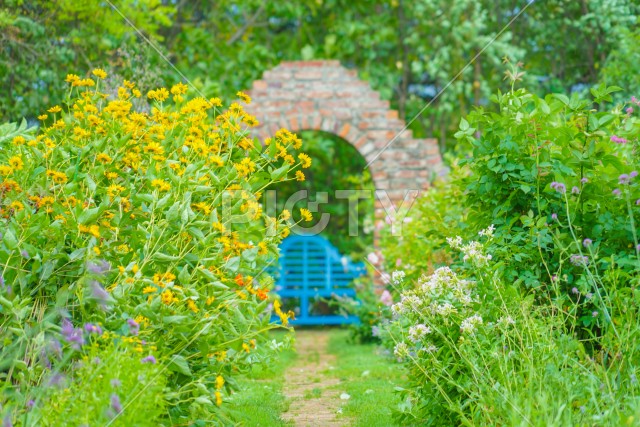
[[179, 364], [9, 239], [279, 173]]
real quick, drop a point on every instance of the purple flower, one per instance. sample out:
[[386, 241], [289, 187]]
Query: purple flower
[[93, 329], [575, 291], [554, 216], [575, 190], [31, 403], [149, 359], [584, 180], [134, 327], [99, 267], [594, 314], [115, 383], [115, 403], [57, 380], [6, 422], [96, 360], [24, 254], [637, 202], [2, 278], [638, 248], [629, 110], [616, 192], [589, 295], [624, 179], [587, 242], [99, 294], [618, 140], [634, 100], [559, 187], [72, 335], [375, 331], [554, 278], [579, 260], [633, 174]]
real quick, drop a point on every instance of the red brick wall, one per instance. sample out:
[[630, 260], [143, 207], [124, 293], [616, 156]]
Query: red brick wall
[[325, 96]]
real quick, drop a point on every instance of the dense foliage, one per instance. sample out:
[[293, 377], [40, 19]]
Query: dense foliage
[[547, 298], [223, 46], [133, 250]]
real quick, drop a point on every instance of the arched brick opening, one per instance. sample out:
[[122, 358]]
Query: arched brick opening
[[325, 96]]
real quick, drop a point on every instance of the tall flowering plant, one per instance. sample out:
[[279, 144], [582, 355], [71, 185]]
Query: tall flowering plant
[[147, 224]]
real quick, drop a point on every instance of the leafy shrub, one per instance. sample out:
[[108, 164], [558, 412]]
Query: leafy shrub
[[553, 182], [147, 225], [481, 353]]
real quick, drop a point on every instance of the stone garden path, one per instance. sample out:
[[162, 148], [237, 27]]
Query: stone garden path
[[315, 401]]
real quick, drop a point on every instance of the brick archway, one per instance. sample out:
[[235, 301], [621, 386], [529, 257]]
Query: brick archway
[[325, 96]]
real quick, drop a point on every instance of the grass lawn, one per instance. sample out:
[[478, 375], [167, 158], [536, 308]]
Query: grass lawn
[[259, 401], [368, 377]]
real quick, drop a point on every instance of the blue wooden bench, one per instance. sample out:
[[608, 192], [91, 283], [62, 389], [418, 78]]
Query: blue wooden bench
[[311, 267]]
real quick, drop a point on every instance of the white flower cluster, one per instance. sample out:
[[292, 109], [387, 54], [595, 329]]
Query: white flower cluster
[[487, 232], [473, 251], [401, 350], [417, 332], [469, 325], [397, 277], [506, 321], [445, 283]]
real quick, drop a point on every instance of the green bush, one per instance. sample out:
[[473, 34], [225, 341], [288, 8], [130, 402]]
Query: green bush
[[146, 224], [553, 182]]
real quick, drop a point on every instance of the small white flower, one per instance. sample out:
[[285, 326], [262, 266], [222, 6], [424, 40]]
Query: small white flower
[[487, 232], [468, 325], [416, 332], [397, 277], [401, 350], [345, 396]]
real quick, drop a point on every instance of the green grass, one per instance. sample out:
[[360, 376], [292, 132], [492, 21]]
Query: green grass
[[369, 378], [259, 401]]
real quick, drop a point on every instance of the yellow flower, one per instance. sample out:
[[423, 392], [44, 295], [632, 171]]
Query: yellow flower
[[96, 250], [305, 160], [159, 95], [245, 167], [94, 230], [18, 140], [6, 170], [168, 297], [192, 306], [99, 73], [16, 163], [71, 78], [210, 300], [58, 177], [42, 117], [154, 147], [149, 289], [306, 214], [244, 97], [103, 158], [55, 109], [111, 175], [219, 382], [285, 215], [218, 398], [161, 185], [179, 89], [16, 206], [216, 102], [300, 176]]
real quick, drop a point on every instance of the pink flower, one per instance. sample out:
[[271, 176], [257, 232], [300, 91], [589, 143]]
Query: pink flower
[[373, 258], [386, 298], [398, 262]]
